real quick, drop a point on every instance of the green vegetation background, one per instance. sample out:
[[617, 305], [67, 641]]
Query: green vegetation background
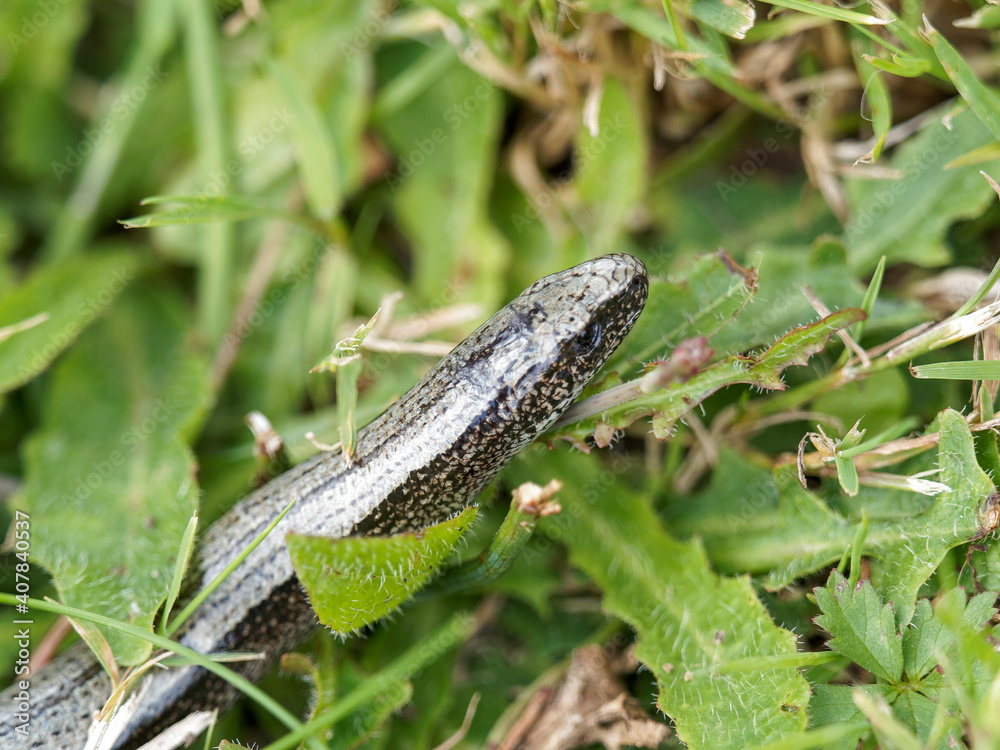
[[310, 159]]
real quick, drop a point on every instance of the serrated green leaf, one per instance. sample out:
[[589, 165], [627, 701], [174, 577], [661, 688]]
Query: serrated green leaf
[[71, 295], [777, 522], [906, 219], [760, 521], [780, 305], [799, 344], [690, 622], [355, 581], [862, 627], [971, 669], [833, 705], [672, 402], [923, 638], [968, 511], [931, 713], [928, 637], [110, 476], [710, 298]]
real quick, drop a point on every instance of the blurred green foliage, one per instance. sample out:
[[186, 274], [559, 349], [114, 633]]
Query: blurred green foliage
[[304, 161]]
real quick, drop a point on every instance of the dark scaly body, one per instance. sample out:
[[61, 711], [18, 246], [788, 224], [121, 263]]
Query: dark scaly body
[[422, 461]]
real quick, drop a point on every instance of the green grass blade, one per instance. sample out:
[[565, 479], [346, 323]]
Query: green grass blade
[[449, 635], [832, 12], [183, 559], [240, 683], [144, 72], [314, 149], [205, 592], [968, 370], [407, 86], [980, 294], [211, 131], [983, 101]]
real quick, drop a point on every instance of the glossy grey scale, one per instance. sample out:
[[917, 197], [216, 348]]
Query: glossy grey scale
[[422, 461]]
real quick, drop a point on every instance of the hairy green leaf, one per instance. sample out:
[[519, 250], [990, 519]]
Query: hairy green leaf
[[110, 476], [61, 300], [355, 581], [966, 512], [670, 403], [690, 621]]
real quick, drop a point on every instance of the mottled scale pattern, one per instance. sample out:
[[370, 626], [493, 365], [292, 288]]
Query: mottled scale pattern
[[422, 461]]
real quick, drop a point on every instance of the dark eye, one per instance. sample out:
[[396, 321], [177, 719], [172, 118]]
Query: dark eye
[[637, 286], [588, 339]]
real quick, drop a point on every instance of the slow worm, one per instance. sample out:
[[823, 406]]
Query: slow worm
[[422, 461]]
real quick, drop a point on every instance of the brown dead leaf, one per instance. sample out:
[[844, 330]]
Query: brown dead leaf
[[589, 706]]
